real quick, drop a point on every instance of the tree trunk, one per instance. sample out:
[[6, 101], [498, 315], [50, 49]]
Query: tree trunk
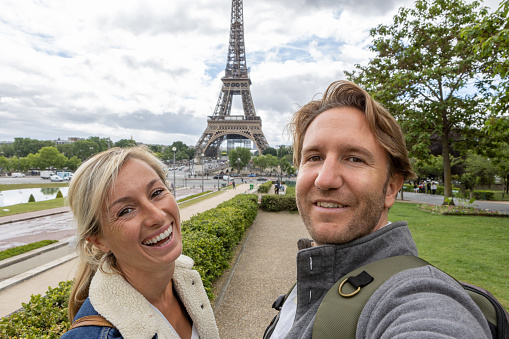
[[448, 197]]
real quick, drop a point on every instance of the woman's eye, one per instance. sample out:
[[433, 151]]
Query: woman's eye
[[157, 192], [125, 211]]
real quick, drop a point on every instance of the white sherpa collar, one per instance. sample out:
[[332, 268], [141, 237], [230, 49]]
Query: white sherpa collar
[[121, 304]]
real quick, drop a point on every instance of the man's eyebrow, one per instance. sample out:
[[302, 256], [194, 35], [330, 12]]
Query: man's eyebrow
[[127, 198], [308, 149]]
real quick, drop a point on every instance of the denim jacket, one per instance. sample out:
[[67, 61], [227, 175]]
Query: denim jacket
[[112, 297]]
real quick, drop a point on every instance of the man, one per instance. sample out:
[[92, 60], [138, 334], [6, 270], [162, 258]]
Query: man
[[352, 162]]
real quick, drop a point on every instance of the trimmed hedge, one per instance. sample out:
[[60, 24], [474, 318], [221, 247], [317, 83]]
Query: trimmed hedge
[[276, 202], [484, 195], [265, 187], [42, 317], [209, 238]]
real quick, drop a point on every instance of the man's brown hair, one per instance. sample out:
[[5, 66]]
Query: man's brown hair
[[385, 128]]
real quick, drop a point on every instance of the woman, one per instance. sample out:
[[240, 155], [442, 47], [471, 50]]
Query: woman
[[132, 281]]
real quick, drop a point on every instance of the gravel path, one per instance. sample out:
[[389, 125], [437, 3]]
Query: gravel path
[[265, 270]]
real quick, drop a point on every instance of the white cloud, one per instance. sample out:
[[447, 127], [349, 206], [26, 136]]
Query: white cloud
[[152, 70]]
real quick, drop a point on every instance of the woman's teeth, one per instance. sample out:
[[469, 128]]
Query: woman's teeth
[[160, 237]]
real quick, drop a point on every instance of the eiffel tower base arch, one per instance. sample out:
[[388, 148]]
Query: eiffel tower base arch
[[230, 127]]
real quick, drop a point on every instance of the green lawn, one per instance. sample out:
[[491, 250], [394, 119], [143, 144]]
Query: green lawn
[[471, 249], [8, 187], [11, 252], [31, 207]]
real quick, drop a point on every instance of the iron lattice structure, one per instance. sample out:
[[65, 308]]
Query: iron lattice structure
[[222, 125]]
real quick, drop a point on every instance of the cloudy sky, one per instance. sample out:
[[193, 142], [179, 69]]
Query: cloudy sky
[[151, 69]]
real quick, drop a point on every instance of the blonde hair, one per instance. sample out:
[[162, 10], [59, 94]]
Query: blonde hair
[[88, 194], [385, 128]]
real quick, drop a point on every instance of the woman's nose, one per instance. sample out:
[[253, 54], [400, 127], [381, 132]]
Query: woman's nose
[[154, 216]]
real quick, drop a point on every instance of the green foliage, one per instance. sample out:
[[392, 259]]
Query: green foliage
[[239, 157], [11, 252], [31, 198], [484, 195], [42, 317], [265, 187], [491, 38], [59, 194], [210, 237], [276, 203]]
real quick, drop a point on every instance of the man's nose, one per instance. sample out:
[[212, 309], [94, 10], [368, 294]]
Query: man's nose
[[329, 175]]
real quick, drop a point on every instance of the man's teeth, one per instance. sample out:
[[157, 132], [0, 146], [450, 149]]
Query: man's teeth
[[160, 237], [328, 204]]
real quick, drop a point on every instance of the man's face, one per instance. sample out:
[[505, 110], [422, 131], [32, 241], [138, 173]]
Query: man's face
[[343, 190]]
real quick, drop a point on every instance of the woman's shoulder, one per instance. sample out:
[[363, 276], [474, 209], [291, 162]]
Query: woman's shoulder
[[90, 331]]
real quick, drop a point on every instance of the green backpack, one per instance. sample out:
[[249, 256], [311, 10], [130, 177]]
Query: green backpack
[[350, 293]]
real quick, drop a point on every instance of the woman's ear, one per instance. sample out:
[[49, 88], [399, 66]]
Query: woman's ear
[[98, 242]]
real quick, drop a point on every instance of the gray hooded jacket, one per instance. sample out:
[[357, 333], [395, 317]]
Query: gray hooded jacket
[[417, 303]]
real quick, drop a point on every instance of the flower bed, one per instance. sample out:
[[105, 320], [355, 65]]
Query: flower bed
[[460, 210]]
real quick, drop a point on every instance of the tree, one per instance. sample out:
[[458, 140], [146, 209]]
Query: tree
[[421, 73], [239, 157], [491, 38], [84, 149], [270, 150], [125, 143], [51, 157], [73, 163], [25, 146]]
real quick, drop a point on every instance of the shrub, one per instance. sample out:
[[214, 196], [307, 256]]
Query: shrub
[[484, 195], [42, 317], [59, 194], [265, 187], [31, 198], [276, 203], [210, 237]]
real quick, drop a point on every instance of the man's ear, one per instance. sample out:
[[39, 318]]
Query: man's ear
[[393, 186], [98, 242]]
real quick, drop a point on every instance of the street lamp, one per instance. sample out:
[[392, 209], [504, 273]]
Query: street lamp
[[202, 160], [174, 149], [217, 176]]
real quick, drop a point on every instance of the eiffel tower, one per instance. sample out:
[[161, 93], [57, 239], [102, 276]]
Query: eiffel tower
[[222, 125]]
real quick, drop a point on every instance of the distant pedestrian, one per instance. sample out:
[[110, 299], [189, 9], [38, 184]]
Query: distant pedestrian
[[276, 187], [233, 183], [433, 188], [428, 187]]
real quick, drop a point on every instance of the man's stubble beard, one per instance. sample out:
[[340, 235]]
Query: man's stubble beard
[[362, 223]]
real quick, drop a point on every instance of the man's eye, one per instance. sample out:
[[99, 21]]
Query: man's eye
[[355, 159], [315, 158]]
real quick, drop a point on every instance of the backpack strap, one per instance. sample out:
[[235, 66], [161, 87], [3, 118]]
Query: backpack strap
[[340, 309], [91, 320]]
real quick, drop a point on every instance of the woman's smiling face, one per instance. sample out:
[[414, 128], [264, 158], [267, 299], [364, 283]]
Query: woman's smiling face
[[142, 221]]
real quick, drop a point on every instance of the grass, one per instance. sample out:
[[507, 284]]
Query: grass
[[9, 187], [11, 252], [469, 248], [32, 207]]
